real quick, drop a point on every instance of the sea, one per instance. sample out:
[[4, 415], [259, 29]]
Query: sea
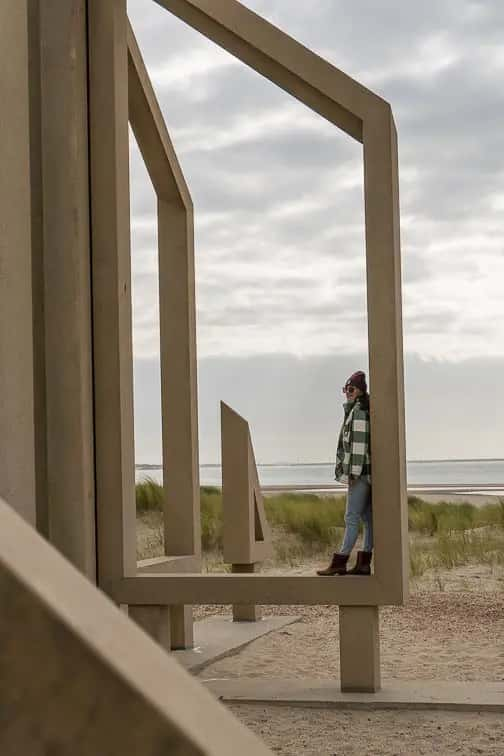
[[454, 472]]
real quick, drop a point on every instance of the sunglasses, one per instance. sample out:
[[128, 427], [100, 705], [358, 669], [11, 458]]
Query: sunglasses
[[349, 389]]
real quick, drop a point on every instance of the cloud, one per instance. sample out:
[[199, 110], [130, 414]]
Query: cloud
[[293, 405], [278, 191]]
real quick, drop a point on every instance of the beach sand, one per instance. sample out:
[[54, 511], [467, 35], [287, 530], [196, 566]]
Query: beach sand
[[452, 628], [451, 634]]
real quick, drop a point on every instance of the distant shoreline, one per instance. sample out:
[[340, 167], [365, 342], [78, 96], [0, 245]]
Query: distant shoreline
[[324, 464]]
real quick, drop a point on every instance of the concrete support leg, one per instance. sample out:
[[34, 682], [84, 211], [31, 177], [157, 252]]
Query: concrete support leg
[[245, 612], [155, 620], [182, 630], [359, 649]]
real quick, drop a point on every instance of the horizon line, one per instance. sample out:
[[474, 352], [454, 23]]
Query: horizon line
[[323, 464]]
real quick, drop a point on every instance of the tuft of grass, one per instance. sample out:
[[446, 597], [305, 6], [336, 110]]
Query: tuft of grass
[[149, 496], [211, 518], [482, 546], [316, 521], [419, 558], [429, 519]]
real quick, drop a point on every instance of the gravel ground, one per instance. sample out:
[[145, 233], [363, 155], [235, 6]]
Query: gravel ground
[[312, 732], [448, 634]]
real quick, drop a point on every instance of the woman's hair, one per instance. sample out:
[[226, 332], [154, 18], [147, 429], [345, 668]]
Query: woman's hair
[[363, 400]]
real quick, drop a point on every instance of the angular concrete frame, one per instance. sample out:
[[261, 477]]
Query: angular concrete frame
[[42, 187], [132, 95], [246, 533], [74, 668], [177, 312], [368, 119]]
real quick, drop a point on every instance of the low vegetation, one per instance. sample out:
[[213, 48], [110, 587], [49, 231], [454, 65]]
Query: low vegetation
[[442, 535]]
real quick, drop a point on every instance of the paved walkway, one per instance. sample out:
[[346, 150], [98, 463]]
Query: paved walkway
[[217, 637], [395, 694]]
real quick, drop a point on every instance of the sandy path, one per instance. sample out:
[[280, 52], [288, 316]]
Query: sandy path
[[451, 634], [315, 732], [436, 636]]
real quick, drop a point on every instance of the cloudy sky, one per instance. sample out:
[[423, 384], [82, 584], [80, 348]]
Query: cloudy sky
[[278, 196]]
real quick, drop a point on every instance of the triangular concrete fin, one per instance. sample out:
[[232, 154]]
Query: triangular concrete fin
[[246, 537]]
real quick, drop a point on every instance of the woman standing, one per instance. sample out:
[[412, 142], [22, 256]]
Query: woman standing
[[353, 466]]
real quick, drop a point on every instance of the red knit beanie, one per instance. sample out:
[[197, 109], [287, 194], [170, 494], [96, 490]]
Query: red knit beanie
[[358, 380]]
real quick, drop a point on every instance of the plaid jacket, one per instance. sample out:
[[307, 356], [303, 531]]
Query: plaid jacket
[[353, 456]]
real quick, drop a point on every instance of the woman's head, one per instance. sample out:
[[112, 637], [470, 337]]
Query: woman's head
[[355, 386]]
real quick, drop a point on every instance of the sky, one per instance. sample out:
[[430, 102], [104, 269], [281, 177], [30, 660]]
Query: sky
[[279, 227]]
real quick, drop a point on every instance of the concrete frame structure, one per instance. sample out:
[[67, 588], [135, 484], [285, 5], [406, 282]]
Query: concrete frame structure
[[79, 389], [182, 528], [123, 93], [368, 119], [246, 532]]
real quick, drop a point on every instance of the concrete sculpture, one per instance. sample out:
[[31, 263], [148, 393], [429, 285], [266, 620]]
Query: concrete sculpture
[[246, 533], [66, 368]]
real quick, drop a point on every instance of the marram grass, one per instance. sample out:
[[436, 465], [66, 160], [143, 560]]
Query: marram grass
[[446, 535]]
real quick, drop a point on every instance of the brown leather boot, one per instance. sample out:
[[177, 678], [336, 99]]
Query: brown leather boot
[[337, 566], [363, 564]]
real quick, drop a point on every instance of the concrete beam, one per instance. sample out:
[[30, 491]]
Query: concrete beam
[[150, 131], [79, 677], [251, 589], [288, 64]]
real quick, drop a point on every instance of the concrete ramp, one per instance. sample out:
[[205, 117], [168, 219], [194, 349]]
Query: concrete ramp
[[78, 677]]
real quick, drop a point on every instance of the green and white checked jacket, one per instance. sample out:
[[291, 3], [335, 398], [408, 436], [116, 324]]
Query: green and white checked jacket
[[353, 456]]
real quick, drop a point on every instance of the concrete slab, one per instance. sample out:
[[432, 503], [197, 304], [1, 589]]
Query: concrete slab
[[395, 694], [218, 637]]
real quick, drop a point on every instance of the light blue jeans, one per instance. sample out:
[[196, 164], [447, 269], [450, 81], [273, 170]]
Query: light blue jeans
[[358, 508]]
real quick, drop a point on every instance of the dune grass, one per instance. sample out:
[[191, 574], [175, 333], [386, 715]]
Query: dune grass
[[430, 519], [442, 535]]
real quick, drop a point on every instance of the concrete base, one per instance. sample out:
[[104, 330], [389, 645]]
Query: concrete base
[[181, 626], [218, 637], [359, 649], [155, 621], [245, 612], [395, 694]]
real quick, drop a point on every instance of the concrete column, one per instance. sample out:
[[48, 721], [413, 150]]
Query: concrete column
[[61, 286], [17, 444], [111, 266], [245, 612], [182, 628], [359, 649], [155, 621]]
